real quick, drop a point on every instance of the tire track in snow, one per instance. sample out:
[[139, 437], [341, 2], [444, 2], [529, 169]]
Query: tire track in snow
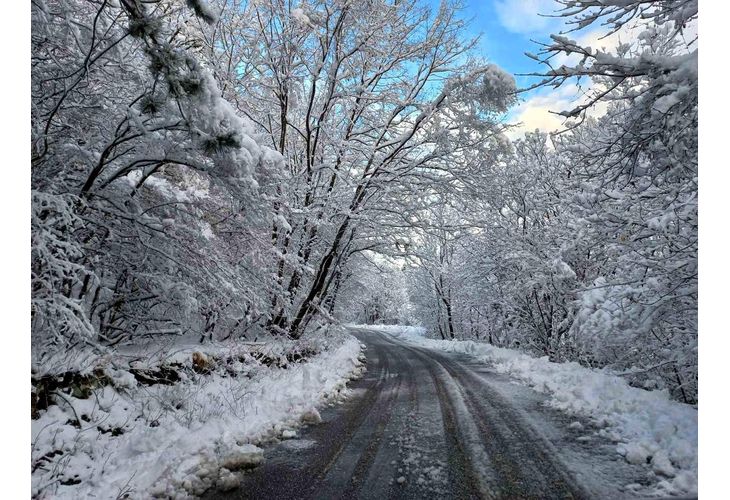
[[466, 458], [352, 466], [414, 408], [414, 450], [508, 457]]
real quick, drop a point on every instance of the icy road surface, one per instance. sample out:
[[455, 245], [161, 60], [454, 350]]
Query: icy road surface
[[428, 424]]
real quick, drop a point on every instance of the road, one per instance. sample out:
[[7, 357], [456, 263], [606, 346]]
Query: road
[[429, 424]]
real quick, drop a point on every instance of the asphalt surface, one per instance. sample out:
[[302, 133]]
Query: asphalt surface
[[419, 424]]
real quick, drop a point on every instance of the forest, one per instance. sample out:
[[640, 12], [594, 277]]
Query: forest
[[258, 173]]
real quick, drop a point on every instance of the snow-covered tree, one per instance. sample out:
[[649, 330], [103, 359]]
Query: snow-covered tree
[[138, 164], [588, 241], [367, 105], [638, 197]]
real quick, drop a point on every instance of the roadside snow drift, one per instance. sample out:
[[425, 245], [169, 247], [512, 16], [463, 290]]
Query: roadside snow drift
[[647, 426], [174, 441]]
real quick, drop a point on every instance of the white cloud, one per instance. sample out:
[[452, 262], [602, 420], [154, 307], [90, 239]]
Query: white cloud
[[538, 112], [535, 112], [534, 118], [523, 16]]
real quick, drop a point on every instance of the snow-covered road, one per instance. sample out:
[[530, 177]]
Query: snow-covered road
[[428, 424]]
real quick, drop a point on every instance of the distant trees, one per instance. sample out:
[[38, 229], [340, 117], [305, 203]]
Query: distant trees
[[506, 279], [375, 293]]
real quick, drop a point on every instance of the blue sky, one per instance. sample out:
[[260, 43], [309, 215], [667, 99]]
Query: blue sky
[[507, 28]]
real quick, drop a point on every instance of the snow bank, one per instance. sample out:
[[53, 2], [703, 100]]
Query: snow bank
[[648, 427], [174, 441]]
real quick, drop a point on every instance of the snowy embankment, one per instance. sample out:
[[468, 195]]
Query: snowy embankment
[[177, 440], [647, 426]]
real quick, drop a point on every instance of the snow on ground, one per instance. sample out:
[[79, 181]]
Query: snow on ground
[[648, 427], [175, 441]]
